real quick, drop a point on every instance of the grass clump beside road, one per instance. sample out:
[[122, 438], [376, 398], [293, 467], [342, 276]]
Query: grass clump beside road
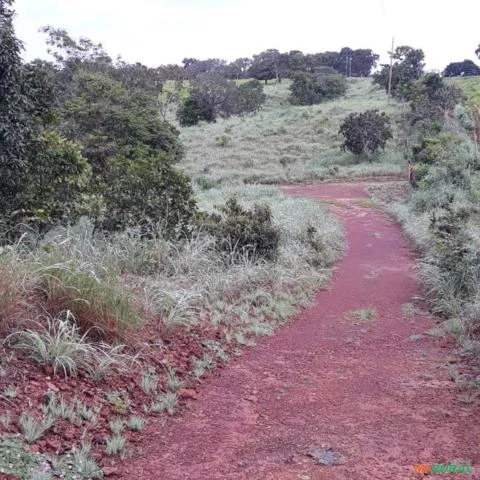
[[442, 217]]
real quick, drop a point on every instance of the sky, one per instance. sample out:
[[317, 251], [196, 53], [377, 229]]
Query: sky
[[156, 32]]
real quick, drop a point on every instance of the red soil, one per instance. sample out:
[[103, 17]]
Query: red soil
[[367, 390]]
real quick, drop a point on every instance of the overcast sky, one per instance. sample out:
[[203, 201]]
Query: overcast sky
[[157, 32]]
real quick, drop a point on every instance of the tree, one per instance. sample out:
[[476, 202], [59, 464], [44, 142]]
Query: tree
[[462, 69], [211, 95], [250, 97], [15, 124], [407, 67], [268, 65], [168, 97], [194, 67], [296, 62], [477, 51], [109, 120], [189, 112], [42, 175], [366, 132], [238, 68], [146, 190], [309, 89], [363, 60], [58, 179], [70, 52], [431, 98]]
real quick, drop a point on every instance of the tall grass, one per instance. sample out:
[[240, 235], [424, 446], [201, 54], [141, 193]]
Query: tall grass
[[441, 217], [109, 283]]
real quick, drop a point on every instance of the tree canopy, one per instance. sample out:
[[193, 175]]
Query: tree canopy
[[83, 135], [462, 69], [407, 67]]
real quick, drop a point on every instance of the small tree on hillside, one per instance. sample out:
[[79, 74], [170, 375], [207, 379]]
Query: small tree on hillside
[[250, 97], [366, 132]]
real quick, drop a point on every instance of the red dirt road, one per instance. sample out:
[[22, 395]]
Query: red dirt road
[[368, 390]]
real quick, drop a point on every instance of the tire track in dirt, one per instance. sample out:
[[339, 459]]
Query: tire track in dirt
[[364, 388]]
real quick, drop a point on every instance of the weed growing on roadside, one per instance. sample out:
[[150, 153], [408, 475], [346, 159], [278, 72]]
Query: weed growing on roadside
[[33, 428], [84, 465], [149, 381], [363, 315], [10, 391], [201, 365], [173, 382], [165, 402], [116, 445], [116, 426], [57, 343], [135, 423], [60, 408]]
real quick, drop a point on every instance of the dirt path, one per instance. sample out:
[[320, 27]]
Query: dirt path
[[369, 390]]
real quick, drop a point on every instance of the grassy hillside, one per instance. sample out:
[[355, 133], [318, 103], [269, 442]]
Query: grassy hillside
[[285, 143], [470, 87]]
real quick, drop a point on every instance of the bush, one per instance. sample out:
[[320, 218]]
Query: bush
[[366, 132], [250, 97], [147, 191], [432, 147], [189, 112], [309, 89], [454, 252], [55, 182], [239, 231]]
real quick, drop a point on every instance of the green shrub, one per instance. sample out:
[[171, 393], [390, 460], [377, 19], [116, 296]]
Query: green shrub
[[54, 184], [189, 112], [453, 251], [239, 231], [147, 191], [223, 141], [366, 132], [310, 89], [432, 147], [250, 97], [205, 183]]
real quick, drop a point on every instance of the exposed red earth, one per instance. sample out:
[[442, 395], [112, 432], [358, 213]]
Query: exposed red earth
[[334, 394], [329, 396]]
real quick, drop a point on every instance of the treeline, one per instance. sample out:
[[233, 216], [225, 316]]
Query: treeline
[[83, 136], [272, 64]]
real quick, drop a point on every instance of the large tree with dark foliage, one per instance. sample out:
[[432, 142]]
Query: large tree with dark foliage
[[269, 65], [462, 69]]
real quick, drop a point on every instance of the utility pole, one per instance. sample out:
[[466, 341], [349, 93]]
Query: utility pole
[[390, 74]]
